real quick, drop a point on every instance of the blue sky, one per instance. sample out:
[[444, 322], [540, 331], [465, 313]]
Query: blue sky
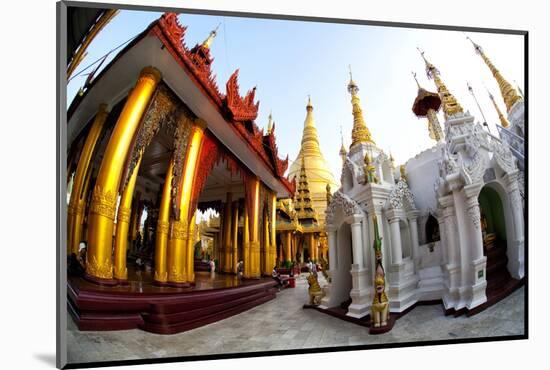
[[287, 60]]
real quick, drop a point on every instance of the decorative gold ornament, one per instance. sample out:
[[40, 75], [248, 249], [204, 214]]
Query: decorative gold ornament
[[163, 227], [103, 202], [103, 270], [369, 170], [179, 230], [123, 214]]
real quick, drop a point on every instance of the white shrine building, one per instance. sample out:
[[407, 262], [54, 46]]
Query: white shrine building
[[451, 219]]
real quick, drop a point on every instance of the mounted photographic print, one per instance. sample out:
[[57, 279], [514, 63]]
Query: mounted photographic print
[[234, 185]]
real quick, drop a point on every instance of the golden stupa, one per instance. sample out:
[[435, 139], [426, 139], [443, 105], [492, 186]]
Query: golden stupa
[[317, 169]]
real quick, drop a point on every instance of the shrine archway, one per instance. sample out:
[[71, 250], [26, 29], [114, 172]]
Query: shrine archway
[[495, 233], [342, 283]]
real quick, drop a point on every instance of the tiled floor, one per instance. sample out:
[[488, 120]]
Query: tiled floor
[[283, 324]]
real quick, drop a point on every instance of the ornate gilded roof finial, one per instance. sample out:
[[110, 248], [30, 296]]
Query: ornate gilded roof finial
[[451, 106], [269, 123], [509, 94], [208, 42], [503, 121], [359, 133]]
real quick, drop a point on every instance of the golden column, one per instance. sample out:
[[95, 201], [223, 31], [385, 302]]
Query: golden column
[[235, 236], [191, 249], [123, 224], [82, 176], [104, 197], [246, 243], [254, 230], [163, 226], [266, 262], [227, 234], [273, 229], [286, 244], [180, 259]]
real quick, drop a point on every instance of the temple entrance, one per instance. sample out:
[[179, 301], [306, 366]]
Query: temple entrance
[[493, 228], [432, 230], [342, 282]]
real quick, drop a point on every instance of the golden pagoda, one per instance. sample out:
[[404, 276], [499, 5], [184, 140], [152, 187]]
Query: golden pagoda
[[360, 132], [315, 166]]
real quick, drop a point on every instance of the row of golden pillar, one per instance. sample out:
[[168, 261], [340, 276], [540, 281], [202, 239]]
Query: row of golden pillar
[[258, 256], [174, 257], [289, 247]]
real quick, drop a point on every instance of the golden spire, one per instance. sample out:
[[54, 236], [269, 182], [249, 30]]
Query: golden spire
[[208, 42], [310, 140], [269, 124], [451, 106], [503, 121], [360, 133], [508, 93]]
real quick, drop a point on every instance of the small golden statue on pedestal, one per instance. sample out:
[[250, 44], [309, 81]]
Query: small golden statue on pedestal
[[380, 304], [315, 292]]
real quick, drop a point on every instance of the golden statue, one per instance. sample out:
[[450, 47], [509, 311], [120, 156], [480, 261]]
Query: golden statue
[[315, 292], [380, 303], [380, 310], [370, 176], [329, 194]]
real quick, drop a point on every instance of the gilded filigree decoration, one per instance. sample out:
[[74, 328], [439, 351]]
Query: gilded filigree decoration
[[176, 276], [123, 214], [181, 142], [161, 276], [180, 230], [102, 270], [162, 107], [163, 227], [103, 202]]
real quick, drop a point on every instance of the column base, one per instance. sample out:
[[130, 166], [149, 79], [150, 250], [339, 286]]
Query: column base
[[160, 283], [178, 285], [122, 282], [100, 281]]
